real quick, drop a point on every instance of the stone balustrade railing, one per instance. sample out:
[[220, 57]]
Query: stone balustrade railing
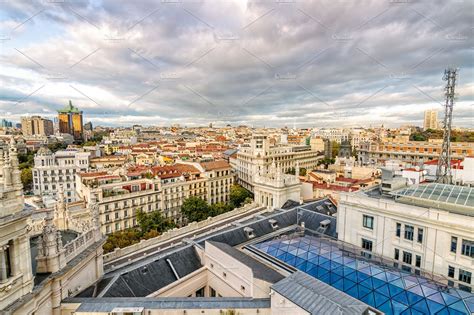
[[75, 223], [79, 244], [166, 236]]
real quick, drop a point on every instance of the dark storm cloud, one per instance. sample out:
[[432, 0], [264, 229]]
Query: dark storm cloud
[[263, 63]]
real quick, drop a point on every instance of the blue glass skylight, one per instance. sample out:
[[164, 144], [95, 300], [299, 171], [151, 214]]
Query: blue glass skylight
[[388, 289]]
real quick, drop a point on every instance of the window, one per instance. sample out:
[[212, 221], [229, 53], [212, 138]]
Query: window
[[399, 230], [200, 292], [465, 276], [396, 255], [407, 257], [451, 270], [409, 230], [8, 263], [213, 292], [420, 236], [418, 261], [454, 243], [367, 245], [368, 222], [467, 248]]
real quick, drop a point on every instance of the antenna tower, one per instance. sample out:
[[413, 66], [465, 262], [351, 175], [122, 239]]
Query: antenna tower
[[443, 172]]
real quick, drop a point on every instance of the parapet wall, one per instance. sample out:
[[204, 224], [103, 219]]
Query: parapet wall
[[169, 235]]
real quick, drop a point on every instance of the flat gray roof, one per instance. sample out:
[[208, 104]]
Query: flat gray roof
[[108, 304], [260, 270], [317, 297]]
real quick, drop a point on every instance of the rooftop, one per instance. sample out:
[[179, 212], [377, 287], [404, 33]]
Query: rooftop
[[70, 109], [316, 297], [370, 279], [456, 199], [260, 270]]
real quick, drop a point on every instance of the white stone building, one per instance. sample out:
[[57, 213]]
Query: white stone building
[[274, 188], [54, 169], [42, 259], [423, 228], [257, 157]]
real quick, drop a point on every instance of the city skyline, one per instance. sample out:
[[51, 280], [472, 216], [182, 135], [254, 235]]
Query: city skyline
[[270, 64]]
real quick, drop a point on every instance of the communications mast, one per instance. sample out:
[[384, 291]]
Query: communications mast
[[443, 172]]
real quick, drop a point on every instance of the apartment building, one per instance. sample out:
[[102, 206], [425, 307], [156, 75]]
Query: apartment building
[[36, 126], [257, 157], [425, 228], [431, 119], [415, 152], [339, 135], [159, 188], [220, 179], [54, 169]]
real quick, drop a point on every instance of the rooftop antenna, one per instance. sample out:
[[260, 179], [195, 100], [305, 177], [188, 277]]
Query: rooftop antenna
[[443, 171]]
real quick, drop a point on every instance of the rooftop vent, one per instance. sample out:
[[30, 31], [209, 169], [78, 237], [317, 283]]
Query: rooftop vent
[[325, 224], [273, 223], [249, 232]]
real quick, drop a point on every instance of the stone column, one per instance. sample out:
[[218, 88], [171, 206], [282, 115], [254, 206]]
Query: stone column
[[3, 263]]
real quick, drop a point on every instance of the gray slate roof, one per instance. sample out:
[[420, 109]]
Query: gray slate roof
[[108, 304], [146, 279], [260, 270], [317, 297]]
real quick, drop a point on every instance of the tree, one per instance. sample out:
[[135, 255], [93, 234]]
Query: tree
[[292, 171], [238, 194], [335, 149], [89, 143], [26, 178], [151, 225], [57, 146], [121, 239], [326, 162], [195, 209], [219, 208], [153, 221]]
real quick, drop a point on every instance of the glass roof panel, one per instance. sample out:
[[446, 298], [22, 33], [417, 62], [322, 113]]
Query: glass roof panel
[[382, 287]]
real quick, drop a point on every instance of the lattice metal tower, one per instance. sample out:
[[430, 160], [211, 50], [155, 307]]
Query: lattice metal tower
[[443, 172]]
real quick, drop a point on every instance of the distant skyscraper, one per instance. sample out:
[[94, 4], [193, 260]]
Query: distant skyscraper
[[5, 123], [88, 126], [431, 119], [36, 126], [70, 121]]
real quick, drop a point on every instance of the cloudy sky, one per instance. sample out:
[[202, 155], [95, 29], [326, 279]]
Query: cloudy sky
[[325, 63]]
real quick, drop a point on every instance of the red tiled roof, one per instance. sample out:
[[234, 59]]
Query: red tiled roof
[[215, 165], [333, 187], [92, 174]]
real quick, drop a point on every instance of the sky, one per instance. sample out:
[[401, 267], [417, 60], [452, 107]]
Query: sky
[[337, 63]]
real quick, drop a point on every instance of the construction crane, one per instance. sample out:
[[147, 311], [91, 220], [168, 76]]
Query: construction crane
[[443, 171]]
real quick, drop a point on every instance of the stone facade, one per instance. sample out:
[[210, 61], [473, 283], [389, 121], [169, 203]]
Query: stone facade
[[274, 188], [258, 156], [54, 169], [61, 268]]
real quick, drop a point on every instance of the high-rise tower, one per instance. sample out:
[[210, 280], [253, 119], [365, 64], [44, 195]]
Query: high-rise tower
[[70, 121]]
